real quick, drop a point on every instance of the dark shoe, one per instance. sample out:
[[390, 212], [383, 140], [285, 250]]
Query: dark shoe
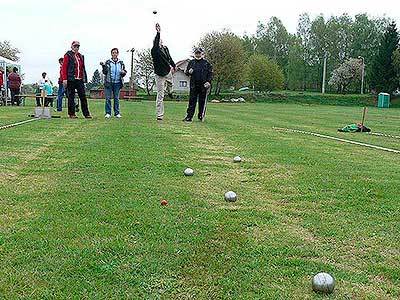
[[201, 119], [171, 96], [88, 117], [73, 117], [159, 118], [187, 119]]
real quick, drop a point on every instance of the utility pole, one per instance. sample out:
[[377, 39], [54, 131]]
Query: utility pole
[[362, 74], [131, 80], [324, 75]]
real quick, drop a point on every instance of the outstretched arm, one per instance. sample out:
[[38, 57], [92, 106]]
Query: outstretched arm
[[157, 38]]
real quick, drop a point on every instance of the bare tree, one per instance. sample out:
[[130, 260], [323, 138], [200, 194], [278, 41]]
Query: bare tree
[[144, 70], [8, 51]]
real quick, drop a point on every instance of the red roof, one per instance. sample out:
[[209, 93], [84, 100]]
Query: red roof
[[181, 62]]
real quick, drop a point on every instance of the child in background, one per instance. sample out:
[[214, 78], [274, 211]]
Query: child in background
[[48, 88]]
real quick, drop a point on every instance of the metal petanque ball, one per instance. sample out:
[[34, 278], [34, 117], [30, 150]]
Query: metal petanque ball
[[188, 172], [230, 196], [237, 159], [154, 12], [323, 283]]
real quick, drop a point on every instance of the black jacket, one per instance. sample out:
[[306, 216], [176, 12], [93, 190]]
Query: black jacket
[[162, 60], [202, 72]]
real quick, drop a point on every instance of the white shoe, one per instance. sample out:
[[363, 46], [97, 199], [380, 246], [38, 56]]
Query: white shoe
[[118, 116], [107, 116]]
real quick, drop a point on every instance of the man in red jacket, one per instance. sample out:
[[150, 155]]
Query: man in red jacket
[[14, 85], [74, 77]]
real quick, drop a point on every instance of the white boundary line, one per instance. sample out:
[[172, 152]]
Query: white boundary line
[[384, 134], [336, 139], [18, 123]]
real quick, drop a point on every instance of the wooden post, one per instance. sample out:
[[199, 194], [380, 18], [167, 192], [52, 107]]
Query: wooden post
[[363, 117]]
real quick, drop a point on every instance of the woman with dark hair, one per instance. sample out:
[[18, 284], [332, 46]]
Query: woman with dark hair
[[114, 71], [14, 85]]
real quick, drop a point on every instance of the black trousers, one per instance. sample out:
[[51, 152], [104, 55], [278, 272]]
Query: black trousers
[[47, 101], [80, 88], [38, 99], [14, 99], [197, 92]]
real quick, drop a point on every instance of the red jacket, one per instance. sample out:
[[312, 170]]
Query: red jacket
[[14, 81], [1, 79]]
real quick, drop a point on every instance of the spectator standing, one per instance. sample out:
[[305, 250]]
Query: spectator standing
[[114, 71], [74, 78], [14, 85], [201, 75]]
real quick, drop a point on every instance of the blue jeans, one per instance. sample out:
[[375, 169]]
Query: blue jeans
[[114, 88], [61, 92]]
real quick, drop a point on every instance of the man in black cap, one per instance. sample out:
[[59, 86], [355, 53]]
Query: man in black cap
[[201, 75]]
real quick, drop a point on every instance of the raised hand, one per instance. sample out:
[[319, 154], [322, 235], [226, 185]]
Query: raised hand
[[158, 28]]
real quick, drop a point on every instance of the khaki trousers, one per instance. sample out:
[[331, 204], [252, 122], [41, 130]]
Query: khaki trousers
[[163, 83]]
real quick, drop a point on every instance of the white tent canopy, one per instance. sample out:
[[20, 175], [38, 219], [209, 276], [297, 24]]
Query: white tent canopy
[[7, 63]]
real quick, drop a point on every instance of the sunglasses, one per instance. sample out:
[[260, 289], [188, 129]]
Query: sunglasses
[[76, 46]]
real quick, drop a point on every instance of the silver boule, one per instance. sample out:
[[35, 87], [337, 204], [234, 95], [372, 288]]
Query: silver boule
[[230, 196], [188, 172], [237, 159], [323, 283]]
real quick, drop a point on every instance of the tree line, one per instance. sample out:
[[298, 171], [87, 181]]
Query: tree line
[[273, 59]]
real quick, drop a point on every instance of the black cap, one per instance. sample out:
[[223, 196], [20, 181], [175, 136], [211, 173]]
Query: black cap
[[198, 50]]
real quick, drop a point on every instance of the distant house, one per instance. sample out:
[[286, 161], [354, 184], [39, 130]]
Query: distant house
[[181, 80]]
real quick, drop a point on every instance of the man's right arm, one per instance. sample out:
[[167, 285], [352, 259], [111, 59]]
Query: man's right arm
[[104, 68], [189, 68], [156, 43]]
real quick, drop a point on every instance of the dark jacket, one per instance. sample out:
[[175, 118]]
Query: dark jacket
[[202, 72], [69, 69], [106, 69], [162, 60], [14, 81]]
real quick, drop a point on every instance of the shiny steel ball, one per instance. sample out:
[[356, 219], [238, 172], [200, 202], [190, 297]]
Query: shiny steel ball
[[237, 159], [188, 172], [323, 283], [230, 196]]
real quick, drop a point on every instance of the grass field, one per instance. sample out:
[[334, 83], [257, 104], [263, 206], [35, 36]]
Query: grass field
[[80, 213]]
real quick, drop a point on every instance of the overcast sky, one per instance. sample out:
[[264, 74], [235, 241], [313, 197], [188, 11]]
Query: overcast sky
[[43, 30]]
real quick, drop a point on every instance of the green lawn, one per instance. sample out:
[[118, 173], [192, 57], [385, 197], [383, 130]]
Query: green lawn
[[80, 213]]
